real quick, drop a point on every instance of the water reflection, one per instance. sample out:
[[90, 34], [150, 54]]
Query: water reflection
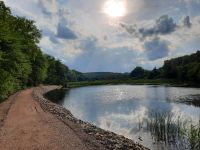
[[123, 108], [57, 96]]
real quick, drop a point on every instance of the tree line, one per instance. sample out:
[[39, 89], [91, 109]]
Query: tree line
[[182, 69], [22, 63]]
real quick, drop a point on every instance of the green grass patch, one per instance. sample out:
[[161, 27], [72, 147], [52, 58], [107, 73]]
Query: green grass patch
[[125, 81]]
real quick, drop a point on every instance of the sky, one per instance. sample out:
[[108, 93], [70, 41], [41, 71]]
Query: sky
[[114, 35]]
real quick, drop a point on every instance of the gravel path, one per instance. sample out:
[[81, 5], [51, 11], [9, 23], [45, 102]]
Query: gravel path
[[27, 126]]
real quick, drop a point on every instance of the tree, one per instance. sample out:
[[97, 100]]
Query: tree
[[184, 68], [138, 72], [154, 73], [39, 69]]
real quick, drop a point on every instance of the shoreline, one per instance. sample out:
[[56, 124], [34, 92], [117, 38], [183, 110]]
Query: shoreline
[[92, 134], [160, 82]]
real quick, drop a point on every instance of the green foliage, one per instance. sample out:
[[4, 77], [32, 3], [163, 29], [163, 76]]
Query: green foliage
[[193, 135], [39, 69], [169, 127], [57, 72], [78, 76], [186, 68], [182, 69], [15, 65], [8, 84], [155, 73], [139, 73], [129, 81], [22, 63]]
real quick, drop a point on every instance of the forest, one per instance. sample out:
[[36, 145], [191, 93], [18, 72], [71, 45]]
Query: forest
[[22, 63], [182, 69]]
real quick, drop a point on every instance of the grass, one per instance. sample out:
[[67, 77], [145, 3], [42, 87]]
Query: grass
[[174, 130], [193, 135], [122, 81]]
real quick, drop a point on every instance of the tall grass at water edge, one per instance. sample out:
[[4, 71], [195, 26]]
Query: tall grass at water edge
[[173, 130]]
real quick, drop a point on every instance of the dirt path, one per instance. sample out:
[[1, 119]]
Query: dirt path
[[27, 126], [28, 121]]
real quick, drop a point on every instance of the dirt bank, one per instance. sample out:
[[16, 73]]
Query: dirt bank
[[29, 121]]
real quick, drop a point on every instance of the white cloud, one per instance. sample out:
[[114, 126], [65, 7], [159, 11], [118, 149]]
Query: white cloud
[[119, 50], [114, 122]]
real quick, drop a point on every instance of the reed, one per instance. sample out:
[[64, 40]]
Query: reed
[[193, 135], [173, 129]]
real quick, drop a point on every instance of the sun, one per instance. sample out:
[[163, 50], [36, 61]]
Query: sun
[[115, 8]]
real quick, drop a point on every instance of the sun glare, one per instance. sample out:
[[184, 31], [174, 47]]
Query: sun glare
[[115, 8]]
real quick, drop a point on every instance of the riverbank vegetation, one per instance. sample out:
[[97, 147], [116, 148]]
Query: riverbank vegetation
[[172, 129], [129, 81], [181, 71]]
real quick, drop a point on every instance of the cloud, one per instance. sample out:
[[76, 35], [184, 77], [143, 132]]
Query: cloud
[[109, 47], [48, 6], [186, 22], [156, 49], [65, 32], [130, 29], [47, 32], [99, 58], [163, 25]]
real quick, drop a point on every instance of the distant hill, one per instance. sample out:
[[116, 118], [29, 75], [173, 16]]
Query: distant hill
[[105, 75]]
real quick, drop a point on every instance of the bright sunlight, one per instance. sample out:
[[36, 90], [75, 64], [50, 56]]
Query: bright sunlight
[[115, 8]]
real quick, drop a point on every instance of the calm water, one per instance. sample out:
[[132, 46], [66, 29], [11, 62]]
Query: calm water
[[123, 108]]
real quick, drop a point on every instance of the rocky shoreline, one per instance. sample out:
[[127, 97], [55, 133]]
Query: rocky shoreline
[[100, 138]]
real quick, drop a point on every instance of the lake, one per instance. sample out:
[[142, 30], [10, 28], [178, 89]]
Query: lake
[[154, 116]]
